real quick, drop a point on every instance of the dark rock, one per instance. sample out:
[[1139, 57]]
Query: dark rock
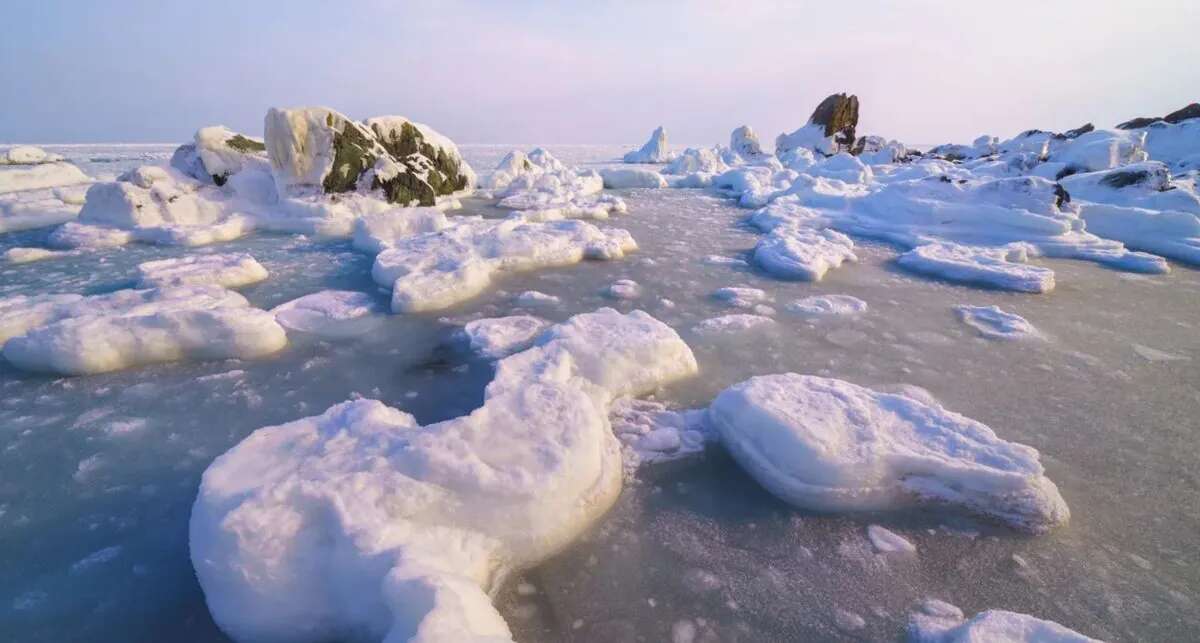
[[1061, 195], [354, 152], [838, 113], [1179, 115], [1078, 131]]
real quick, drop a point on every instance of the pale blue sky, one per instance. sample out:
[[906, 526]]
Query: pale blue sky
[[595, 72]]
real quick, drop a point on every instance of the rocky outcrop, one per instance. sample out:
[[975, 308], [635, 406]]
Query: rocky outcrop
[[216, 153], [317, 149], [829, 130], [1183, 114], [1077, 132]]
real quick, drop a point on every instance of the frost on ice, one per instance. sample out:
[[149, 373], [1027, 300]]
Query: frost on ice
[[830, 445], [940, 622], [77, 335], [361, 524], [227, 271], [994, 323]]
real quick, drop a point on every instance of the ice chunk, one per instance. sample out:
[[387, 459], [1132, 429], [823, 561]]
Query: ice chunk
[[328, 312], [27, 255], [436, 270], [732, 324], [102, 343], [36, 196], [543, 189], [744, 142], [830, 445], [654, 151], [375, 232], [992, 322], [623, 289], [828, 305], [740, 297], [795, 252], [82, 235], [535, 298], [651, 433], [227, 270], [1003, 267], [18, 178], [940, 622], [620, 178], [888, 542], [361, 524], [27, 155], [499, 337]]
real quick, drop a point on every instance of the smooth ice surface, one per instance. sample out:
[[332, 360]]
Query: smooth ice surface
[[225, 270], [415, 525], [994, 323], [830, 445]]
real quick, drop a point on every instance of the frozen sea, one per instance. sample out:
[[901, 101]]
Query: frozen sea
[[98, 473]]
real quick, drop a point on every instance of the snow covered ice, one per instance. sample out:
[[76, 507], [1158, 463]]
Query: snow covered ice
[[418, 524], [654, 151], [227, 271], [994, 323], [937, 622]]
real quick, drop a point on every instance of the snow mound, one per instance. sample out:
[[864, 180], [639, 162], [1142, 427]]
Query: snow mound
[[796, 252], [744, 142], [827, 305], [36, 196], [543, 189], [737, 323], [940, 622], [360, 524], [499, 337], [994, 323], [622, 178], [227, 271], [1003, 267], [436, 270], [830, 445], [328, 313], [375, 232], [654, 151], [76, 335]]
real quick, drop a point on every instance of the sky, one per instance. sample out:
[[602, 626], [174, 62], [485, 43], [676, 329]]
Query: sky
[[600, 71]]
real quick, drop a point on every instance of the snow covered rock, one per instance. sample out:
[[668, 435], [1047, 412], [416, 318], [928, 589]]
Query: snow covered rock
[[621, 178], [498, 337], [744, 142], [994, 323], [830, 445], [216, 153], [654, 151], [227, 271], [76, 335], [27, 155], [795, 252], [1190, 111], [940, 622], [820, 305], [361, 524], [1002, 267], [435, 270], [829, 130], [318, 150], [328, 312]]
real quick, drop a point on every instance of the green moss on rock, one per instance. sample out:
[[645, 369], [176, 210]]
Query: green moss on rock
[[354, 152]]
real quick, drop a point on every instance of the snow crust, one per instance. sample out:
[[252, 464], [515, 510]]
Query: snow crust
[[78, 335], [831, 445], [225, 270], [361, 524], [940, 622], [435, 270], [994, 323]]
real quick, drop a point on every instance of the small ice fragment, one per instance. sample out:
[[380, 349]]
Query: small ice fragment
[[827, 305], [623, 289], [887, 541], [994, 323]]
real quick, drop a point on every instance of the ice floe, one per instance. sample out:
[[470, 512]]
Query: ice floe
[[359, 523], [736, 323], [542, 188], [1001, 267], [536, 298], [76, 335], [994, 323], [618, 178], [329, 313], [820, 305], [831, 445], [937, 621], [498, 337], [740, 296], [225, 270], [623, 289], [36, 196], [435, 270], [795, 252]]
